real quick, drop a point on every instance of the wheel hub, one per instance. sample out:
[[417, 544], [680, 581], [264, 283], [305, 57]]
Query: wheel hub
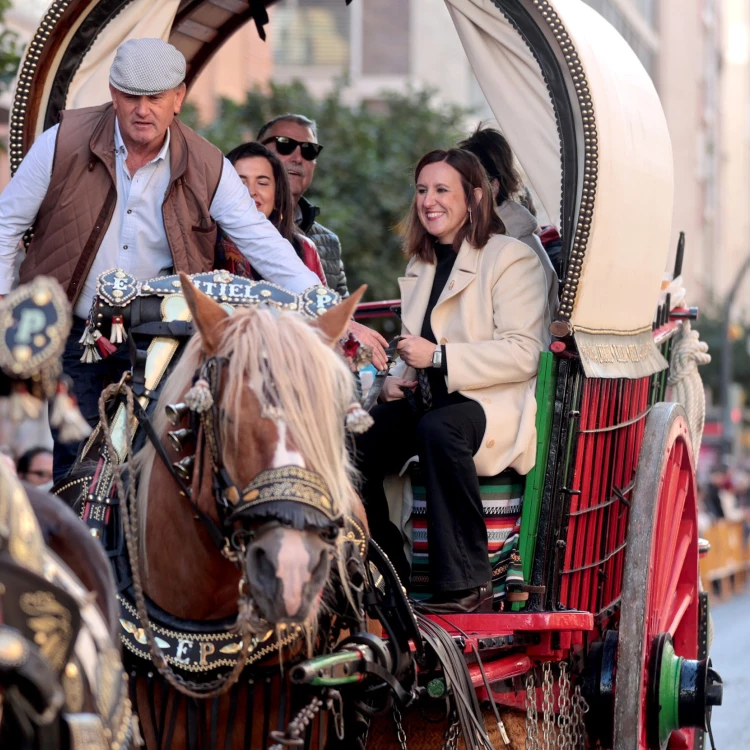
[[681, 692], [599, 688]]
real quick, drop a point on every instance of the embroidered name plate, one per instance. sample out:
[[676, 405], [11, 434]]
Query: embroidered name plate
[[117, 288], [203, 654]]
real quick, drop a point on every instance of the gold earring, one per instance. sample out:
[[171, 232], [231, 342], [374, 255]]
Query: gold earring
[[470, 220]]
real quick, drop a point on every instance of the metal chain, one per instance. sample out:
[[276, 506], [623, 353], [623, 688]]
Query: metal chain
[[532, 726], [567, 731], [400, 733], [452, 734], [580, 709], [548, 709], [565, 736]]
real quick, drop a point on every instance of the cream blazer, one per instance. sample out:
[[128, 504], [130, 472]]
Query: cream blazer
[[493, 318]]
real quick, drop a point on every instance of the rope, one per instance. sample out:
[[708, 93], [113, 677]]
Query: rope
[[130, 525], [685, 380]]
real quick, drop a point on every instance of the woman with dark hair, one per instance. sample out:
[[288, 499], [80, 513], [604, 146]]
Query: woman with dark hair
[[35, 466], [266, 180], [473, 311], [513, 200]]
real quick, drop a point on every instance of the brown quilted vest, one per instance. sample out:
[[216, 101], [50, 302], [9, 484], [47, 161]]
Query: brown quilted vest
[[81, 200]]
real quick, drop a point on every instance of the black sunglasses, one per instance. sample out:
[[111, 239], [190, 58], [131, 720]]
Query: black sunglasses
[[286, 146]]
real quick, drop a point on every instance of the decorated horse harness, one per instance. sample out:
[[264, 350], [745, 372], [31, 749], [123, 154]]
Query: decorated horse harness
[[153, 318]]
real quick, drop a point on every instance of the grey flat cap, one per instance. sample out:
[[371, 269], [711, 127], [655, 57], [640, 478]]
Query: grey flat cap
[[143, 67]]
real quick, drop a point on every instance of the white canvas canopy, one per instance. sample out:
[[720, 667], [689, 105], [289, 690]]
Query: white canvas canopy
[[612, 173], [575, 103]]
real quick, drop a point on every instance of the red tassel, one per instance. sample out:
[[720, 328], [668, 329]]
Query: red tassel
[[105, 346]]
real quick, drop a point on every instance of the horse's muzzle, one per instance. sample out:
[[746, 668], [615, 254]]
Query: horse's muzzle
[[286, 571]]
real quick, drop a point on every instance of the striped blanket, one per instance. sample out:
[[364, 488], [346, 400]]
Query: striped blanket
[[502, 500]]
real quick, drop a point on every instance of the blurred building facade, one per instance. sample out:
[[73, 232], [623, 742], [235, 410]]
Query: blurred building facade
[[365, 48]]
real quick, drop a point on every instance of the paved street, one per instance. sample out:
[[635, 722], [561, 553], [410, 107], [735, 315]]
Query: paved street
[[731, 657]]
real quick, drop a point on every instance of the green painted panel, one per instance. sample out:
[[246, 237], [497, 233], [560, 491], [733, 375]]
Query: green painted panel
[[532, 499]]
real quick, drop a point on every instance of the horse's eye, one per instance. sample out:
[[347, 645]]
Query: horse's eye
[[330, 534]]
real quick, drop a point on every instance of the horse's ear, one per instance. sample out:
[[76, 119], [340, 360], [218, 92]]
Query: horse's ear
[[207, 315], [334, 322]]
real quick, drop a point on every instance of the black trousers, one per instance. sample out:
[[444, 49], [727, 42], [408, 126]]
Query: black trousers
[[89, 380], [445, 439]]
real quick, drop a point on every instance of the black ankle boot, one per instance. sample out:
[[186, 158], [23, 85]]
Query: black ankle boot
[[478, 599]]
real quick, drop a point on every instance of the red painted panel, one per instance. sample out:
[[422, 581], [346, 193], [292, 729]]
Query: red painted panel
[[501, 669], [499, 623], [604, 460]]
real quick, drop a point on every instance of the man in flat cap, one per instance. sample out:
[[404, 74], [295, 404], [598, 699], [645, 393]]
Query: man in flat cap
[[126, 185]]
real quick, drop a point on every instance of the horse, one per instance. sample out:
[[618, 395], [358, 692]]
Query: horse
[[260, 398]]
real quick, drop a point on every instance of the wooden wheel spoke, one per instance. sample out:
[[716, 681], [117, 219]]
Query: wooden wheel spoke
[[664, 520], [671, 522], [684, 597], [678, 562]]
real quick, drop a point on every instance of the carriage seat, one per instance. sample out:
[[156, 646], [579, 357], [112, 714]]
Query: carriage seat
[[510, 504], [502, 502]]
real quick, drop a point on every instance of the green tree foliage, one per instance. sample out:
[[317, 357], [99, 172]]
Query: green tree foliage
[[364, 181], [10, 51]]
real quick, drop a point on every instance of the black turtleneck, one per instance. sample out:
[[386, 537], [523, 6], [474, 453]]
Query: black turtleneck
[[445, 257]]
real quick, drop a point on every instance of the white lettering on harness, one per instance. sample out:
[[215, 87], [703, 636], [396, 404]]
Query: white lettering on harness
[[32, 321], [183, 646]]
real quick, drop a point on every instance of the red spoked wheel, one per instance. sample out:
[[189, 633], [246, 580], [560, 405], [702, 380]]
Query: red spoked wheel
[[662, 692]]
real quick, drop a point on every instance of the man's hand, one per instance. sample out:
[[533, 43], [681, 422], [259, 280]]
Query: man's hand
[[416, 351], [392, 388], [374, 340]]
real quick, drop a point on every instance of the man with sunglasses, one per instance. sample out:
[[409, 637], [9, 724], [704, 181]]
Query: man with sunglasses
[[294, 138]]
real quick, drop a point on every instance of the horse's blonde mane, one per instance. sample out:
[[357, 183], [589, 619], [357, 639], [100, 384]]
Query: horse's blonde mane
[[294, 374]]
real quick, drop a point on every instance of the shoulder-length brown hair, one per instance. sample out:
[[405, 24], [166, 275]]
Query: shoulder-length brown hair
[[484, 221]]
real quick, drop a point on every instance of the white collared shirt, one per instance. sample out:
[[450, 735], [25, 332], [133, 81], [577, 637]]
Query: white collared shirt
[[136, 240]]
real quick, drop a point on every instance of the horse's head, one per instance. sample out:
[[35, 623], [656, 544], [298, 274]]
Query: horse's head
[[268, 398]]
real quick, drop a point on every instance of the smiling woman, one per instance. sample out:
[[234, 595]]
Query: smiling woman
[[471, 349], [265, 178]]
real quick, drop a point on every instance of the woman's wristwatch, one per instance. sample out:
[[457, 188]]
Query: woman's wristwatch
[[437, 357]]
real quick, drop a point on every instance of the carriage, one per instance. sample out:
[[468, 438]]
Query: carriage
[[604, 640]]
